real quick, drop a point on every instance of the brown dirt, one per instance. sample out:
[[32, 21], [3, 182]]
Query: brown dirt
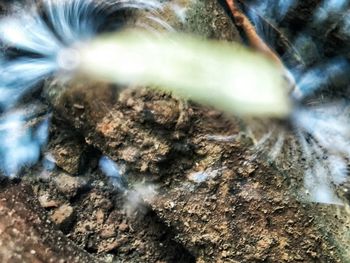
[[243, 212], [27, 235]]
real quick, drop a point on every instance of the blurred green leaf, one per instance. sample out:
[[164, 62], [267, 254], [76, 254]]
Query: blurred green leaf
[[225, 75]]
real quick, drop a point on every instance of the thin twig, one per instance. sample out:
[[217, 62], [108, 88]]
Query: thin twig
[[254, 39]]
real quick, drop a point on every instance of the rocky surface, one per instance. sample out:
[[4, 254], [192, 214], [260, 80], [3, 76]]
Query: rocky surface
[[26, 235], [224, 205]]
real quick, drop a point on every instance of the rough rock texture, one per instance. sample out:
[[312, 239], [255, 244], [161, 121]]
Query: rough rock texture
[[26, 236], [99, 220], [224, 205], [68, 151]]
